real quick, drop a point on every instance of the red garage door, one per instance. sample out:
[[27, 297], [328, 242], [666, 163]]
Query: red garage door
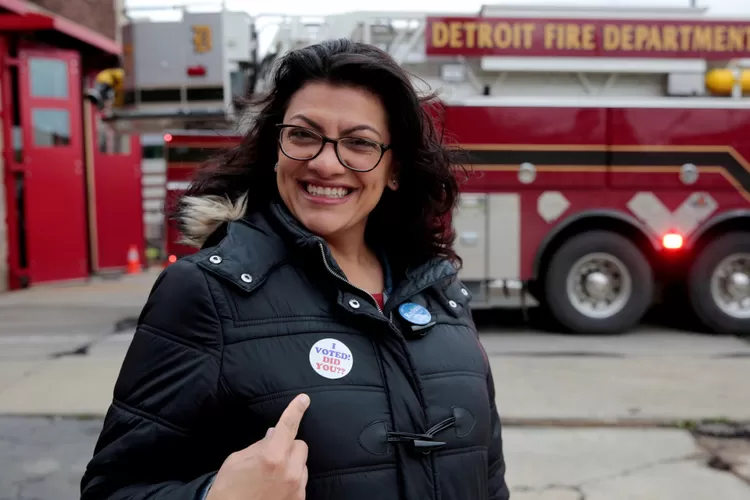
[[54, 181], [118, 198]]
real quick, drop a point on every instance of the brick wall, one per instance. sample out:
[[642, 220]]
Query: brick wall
[[98, 15]]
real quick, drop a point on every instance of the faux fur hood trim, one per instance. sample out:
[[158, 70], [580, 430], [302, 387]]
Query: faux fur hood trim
[[200, 216]]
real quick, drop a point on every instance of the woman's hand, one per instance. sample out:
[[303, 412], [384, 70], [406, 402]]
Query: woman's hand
[[274, 468]]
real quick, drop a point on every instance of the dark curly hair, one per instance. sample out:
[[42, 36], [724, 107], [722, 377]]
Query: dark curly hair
[[413, 223]]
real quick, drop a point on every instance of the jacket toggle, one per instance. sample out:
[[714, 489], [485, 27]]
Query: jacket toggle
[[423, 443]]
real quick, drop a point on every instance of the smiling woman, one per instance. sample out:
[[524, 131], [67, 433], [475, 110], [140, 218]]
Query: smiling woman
[[332, 190], [319, 345]]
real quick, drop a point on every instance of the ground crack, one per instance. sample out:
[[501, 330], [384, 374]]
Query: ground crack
[[552, 487], [579, 488], [32, 371], [649, 465]]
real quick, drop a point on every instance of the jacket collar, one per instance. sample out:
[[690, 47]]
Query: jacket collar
[[245, 252], [419, 277], [249, 248]]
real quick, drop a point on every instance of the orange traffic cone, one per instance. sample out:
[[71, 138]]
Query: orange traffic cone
[[134, 260]]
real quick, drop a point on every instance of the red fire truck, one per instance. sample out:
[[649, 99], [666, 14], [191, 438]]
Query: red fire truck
[[609, 152]]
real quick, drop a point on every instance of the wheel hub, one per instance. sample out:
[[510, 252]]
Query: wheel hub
[[598, 285], [738, 285], [730, 286]]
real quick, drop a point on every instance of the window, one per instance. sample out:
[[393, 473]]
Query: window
[[17, 134], [152, 152], [49, 78], [51, 127], [110, 141], [121, 144], [16, 130]]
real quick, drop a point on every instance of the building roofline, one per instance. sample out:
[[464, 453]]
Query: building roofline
[[65, 26]]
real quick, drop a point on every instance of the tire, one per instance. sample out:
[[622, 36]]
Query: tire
[[705, 289], [636, 276]]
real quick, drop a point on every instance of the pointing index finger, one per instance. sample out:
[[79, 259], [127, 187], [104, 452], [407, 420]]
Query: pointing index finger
[[288, 425]]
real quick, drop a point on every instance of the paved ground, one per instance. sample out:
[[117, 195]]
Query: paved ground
[[594, 418], [43, 459]]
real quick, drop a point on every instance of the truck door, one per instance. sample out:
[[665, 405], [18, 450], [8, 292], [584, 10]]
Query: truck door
[[54, 187]]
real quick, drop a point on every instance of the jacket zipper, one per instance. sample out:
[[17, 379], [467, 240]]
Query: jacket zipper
[[420, 396], [325, 262]]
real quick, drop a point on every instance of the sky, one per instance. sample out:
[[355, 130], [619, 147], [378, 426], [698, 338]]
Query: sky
[[729, 8], [323, 7]]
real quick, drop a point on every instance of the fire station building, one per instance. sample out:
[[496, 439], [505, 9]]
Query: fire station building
[[70, 203]]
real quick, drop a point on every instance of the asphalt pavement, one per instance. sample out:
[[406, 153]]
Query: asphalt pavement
[[586, 417]]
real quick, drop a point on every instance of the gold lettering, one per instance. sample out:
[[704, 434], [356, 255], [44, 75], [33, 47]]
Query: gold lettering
[[589, 37], [736, 40], [471, 33], [702, 38], [528, 35], [549, 35], [503, 35], [439, 34], [454, 35], [560, 37], [685, 36], [516, 36], [627, 37], [202, 42], [669, 34], [720, 39], [641, 37], [573, 37], [654, 40], [485, 36], [611, 37]]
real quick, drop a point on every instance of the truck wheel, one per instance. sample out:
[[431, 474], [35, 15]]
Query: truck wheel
[[719, 284], [598, 283]]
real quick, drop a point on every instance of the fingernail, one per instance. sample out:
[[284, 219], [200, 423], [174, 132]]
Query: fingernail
[[269, 431], [304, 399]]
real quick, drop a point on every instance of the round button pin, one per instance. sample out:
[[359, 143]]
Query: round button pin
[[331, 359], [414, 313]]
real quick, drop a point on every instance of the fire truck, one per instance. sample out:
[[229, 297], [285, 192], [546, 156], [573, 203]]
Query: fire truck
[[608, 149]]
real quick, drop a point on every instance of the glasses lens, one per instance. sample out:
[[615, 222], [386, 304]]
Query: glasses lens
[[300, 143], [359, 154]]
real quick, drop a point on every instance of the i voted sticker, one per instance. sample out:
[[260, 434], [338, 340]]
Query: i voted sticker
[[331, 359], [414, 313]]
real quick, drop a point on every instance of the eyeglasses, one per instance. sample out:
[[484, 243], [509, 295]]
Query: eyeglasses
[[355, 153]]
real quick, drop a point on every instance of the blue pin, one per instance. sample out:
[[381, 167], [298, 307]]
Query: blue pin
[[414, 313]]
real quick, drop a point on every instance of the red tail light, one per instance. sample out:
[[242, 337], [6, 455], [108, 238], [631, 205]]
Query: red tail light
[[672, 241]]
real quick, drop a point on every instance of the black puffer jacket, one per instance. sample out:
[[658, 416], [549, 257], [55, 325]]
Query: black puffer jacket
[[230, 335]]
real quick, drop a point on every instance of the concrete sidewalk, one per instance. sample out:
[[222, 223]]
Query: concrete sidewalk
[[584, 416], [574, 428], [637, 390], [91, 307]]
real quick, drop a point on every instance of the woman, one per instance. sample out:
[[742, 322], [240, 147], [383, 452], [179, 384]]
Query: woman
[[319, 345]]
